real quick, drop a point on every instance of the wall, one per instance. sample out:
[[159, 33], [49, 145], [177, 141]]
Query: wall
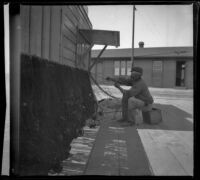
[[108, 67], [168, 73], [108, 70], [54, 86], [189, 75], [103, 69], [50, 32], [147, 70]]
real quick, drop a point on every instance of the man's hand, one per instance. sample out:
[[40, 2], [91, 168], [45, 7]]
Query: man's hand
[[118, 86]]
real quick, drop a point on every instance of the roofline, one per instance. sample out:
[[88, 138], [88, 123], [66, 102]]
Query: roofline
[[146, 57], [148, 48]]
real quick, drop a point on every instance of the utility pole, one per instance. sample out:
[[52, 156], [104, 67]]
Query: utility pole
[[132, 55]]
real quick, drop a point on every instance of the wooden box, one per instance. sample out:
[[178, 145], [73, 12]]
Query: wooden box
[[152, 117]]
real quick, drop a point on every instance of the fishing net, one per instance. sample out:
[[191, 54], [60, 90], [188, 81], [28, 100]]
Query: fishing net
[[55, 101]]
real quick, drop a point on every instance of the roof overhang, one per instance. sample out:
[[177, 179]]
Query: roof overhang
[[99, 37]]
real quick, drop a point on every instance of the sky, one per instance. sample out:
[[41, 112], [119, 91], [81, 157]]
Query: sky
[[155, 25]]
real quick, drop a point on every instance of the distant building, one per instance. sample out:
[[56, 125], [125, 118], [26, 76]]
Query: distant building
[[165, 67]]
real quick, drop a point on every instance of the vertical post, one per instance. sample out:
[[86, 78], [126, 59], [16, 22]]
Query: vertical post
[[132, 55], [89, 58], [5, 99], [15, 44]]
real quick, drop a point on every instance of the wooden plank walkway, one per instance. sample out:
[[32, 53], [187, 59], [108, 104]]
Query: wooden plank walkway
[[167, 152], [169, 145], [147, 150], [118, 151], [79, 154]]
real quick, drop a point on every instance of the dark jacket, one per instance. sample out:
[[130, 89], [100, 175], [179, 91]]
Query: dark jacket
[[139, 89]]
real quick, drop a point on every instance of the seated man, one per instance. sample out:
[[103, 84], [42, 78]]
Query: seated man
[[137, 97]]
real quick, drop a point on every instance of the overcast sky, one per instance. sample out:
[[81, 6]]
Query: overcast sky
[[156, 25]]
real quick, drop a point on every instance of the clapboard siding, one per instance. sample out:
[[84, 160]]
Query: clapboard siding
[[83, 24], [36, 30], [84, 16], [55, 33], [68, 62], [25, 15], [68, 13], [69, 44], [69, 25], [68, 33], [68, 54], [46, 32], [74, 13], [50, 32]]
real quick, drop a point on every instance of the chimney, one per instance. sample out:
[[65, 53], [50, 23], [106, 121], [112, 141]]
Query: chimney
[[141, 44]]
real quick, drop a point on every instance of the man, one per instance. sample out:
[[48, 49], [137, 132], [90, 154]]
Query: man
[[137, 97]]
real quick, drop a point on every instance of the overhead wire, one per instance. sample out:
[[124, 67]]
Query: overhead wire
[[107, 92], [97, 84], [103, 78]]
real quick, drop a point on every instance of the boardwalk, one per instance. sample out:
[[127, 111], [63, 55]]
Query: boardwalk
[[116, 149]]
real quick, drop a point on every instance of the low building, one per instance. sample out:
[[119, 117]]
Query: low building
[[164, 67]]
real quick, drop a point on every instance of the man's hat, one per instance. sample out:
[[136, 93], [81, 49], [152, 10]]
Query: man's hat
[[137, 69]]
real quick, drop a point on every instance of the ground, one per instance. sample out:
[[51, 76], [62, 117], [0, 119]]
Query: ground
[[111, 149]]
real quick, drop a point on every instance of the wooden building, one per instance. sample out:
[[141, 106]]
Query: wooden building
[[165, 67], [51, 32], [49, 46]]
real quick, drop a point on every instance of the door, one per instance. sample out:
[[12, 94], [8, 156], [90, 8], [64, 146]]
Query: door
[[180, 73]]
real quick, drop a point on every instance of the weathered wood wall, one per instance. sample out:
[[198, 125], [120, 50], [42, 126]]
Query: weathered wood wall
[[51, 74], [50, 32]]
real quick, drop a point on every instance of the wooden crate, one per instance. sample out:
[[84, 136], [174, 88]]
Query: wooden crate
[[152, 117]]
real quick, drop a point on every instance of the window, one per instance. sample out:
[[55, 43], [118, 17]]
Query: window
[[123, 68], [117, 67], [157, 69], [129, 63], [157, 66]]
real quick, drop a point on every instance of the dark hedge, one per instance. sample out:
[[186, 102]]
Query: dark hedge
[[55, 101]]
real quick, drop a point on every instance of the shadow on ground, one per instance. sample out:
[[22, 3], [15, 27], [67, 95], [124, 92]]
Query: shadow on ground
[[173, 118]]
